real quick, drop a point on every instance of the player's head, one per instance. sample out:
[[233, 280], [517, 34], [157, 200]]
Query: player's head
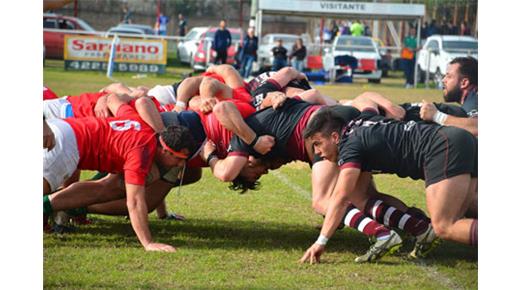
[[323, 130], [249, 175], [461, 74], [175, 145]]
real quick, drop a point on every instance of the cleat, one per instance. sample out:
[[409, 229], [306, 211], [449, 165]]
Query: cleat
[[424, 244], [381, 248]]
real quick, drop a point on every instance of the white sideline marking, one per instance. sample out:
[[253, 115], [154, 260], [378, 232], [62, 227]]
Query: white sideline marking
[[429, 270], [295, 187]]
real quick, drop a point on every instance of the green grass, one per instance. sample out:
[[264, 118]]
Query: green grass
[[249, 241]]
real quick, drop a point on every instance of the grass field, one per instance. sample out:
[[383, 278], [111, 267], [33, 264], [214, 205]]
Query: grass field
[[249, 241]]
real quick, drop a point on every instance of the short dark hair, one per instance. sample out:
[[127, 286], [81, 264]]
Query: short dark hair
[[325, 121], [240, 183], [178, 137], [468, 68]]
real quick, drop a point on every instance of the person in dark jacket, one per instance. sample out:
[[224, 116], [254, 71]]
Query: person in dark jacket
[[248, 53], [221, 42], [280, 56], [298, 54]]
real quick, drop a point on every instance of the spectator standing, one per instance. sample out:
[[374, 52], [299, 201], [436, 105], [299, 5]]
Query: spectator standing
[[357, 29], [408, 57], [127, 15], [334, 30], [280, 55], [248, 53], [366, 29], [182, 25], [433, 28], [464, 28], [424, 30], [161, 24], [345, 28], [298, 54], [221, 42], [327, 35]]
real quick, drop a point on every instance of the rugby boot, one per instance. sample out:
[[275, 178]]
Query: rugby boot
[[425, 243], [381, 248]]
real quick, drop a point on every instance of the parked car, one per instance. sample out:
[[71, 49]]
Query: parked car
[[365, 50], [265, 55], [439, 50], [139, 29], [53, 41], [187, 47], [199, 59]]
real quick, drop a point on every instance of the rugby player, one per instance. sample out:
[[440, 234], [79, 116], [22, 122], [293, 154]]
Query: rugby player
[[445, 157], [117, 144], [460, 84]]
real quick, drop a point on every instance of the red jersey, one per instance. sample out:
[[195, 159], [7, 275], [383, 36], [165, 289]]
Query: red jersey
[[121, 144], [84, 104], [48, 94], [217, 133], [243, 95]]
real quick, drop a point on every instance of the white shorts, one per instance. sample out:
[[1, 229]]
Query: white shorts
[[57, 109], [61, 162]]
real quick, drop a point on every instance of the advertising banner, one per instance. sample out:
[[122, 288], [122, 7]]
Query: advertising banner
[[131, 54]]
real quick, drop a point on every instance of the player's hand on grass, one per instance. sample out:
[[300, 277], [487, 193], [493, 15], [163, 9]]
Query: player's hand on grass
[[207, 104], [313, 254], [428, 110], [158, 247], [48, 137], [264, 144]]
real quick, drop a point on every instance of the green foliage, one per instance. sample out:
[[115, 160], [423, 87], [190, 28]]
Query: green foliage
[[249, 241]]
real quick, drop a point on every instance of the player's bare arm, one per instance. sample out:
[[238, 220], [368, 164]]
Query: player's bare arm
[[138, 212], [226, 169], [430, 113], [345, 186]]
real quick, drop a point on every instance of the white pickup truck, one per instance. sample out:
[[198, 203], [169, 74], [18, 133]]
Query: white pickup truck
[[439, 50]]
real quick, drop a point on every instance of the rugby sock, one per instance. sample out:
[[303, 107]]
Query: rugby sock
[[354, 218], [47, 207], [418, 213], [394, 218], [473, 233]]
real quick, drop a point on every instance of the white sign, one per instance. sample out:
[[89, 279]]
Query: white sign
[[128, 50], [335, 7]]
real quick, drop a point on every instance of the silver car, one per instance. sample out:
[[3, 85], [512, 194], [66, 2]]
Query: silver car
[[187, 48]]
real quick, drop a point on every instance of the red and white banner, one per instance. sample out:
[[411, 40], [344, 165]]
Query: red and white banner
[[128, 50]]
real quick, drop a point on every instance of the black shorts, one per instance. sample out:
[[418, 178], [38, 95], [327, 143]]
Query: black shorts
[[453, 152]]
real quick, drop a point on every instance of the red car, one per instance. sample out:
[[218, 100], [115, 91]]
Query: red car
[[53, 41], [199, 59]]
